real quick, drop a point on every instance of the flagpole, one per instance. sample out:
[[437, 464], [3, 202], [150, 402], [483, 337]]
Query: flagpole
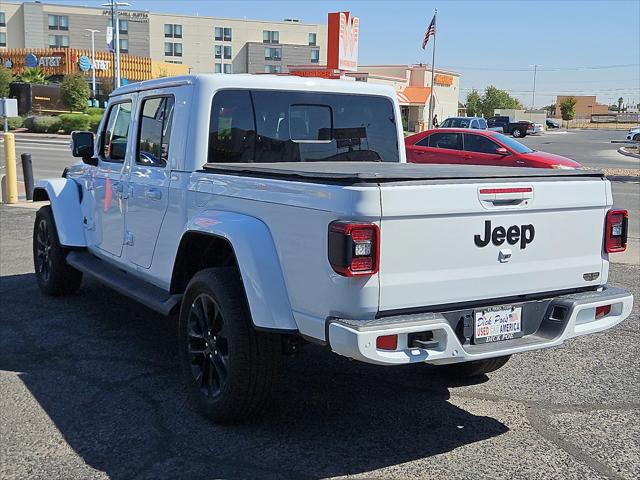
[[433, 63]]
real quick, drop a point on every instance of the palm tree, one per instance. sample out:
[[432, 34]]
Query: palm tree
[[33, 75], [620, 102]]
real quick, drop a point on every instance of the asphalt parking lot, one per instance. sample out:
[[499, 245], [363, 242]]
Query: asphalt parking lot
[[90, 389]]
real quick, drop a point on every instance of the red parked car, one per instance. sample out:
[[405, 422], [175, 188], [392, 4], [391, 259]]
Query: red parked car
[[478, 147]]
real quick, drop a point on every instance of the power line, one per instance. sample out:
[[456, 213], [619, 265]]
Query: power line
[[547, 69]]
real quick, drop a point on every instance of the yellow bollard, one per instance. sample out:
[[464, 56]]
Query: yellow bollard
[[10, 168]]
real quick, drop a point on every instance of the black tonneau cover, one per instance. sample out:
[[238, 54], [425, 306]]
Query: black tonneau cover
[[381, 172]]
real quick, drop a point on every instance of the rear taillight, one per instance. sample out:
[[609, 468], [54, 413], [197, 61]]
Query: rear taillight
[[615, 234], [602, 311], [354, 248]]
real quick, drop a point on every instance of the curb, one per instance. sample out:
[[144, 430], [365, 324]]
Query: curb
[[621, 151]]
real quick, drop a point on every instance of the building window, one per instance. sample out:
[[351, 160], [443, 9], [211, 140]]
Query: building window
[[227, 52], [172, 49], [312, 39], [227, 68], [272, 53], [172, 30], [223, 34], [179, 62], [3, 22], [218, 68], [58, 22], [218, 51], [315, 56], [124, 26], [3, 39], [272, 69], [124, 45], [269, 36], [58, 41]]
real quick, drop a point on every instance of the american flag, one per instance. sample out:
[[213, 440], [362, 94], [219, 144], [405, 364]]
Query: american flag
[[430, 31]]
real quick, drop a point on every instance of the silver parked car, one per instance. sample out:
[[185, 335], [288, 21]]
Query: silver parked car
[[476, 123]]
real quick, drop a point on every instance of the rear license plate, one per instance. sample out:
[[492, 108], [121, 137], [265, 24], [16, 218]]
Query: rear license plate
[[494, 324]]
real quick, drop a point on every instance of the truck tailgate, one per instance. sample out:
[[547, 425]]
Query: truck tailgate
[[544, 235]]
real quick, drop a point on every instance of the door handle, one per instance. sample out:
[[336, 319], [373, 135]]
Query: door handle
[[520, 162], [153, 194]]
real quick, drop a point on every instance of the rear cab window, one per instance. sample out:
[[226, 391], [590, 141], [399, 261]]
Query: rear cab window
[[280, 126]]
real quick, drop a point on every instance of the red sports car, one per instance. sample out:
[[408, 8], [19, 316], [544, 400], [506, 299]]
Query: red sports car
[[478, 147]]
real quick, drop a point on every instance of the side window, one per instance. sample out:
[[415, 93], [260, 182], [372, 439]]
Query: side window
[[232, 127], [480, 144], [474, 124], [156, 118], [423, 142], [115, 135], [483, 123], [447, 140]]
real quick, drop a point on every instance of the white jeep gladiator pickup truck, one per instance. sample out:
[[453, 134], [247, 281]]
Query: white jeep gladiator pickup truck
[[270, 211]]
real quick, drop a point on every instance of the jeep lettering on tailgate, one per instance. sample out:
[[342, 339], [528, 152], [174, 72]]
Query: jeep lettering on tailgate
[[524, 234]]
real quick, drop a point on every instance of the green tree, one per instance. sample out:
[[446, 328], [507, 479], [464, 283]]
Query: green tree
[[568, 108], [495, 98], [33, 75], [75, 92], [620, 102], [474, 103], [6, 77], [550, 109]]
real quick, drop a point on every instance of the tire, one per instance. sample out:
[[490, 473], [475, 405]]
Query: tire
[[228, 367], [474, 368], [517, 133], [54, 275], [636, 137]]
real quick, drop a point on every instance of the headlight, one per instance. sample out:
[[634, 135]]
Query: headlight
[[562, 167]]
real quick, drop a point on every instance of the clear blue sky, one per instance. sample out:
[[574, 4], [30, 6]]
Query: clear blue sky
[[488, 42]]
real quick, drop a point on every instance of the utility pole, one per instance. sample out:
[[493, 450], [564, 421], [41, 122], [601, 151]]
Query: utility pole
[[533, 97], [93, 60]]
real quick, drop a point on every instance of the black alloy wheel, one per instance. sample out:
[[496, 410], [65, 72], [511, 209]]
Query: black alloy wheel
[[207, 345], [43, 250]]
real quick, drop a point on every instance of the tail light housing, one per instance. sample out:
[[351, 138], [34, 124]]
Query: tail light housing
[[615, 234], [354, 248]]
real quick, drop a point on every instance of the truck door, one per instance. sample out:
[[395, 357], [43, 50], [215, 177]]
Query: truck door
[[110, 182], [149, 176]]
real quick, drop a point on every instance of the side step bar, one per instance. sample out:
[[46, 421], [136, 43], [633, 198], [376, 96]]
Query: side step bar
[[139, 290]]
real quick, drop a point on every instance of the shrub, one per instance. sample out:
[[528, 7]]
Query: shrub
[[94, 122], [94, 111], [28, 123], [46, 125], [15, 122], [6, 77], [75, 92], [74, 121]]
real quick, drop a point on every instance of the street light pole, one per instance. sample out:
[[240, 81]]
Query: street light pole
[[93, 60], [116, 24]]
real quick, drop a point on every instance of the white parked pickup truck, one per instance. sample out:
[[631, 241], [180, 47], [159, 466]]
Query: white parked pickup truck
[[270, 211]]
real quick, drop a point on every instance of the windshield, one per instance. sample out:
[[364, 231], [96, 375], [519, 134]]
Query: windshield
[[281, 126], [456, 123], [512, 144]]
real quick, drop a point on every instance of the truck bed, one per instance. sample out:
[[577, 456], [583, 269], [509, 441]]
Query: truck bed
[[351, 173]]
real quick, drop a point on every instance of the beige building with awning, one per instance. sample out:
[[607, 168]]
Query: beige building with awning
[[413, 87]]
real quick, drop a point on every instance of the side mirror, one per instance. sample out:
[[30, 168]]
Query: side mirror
[[502, 151], [82, 146]]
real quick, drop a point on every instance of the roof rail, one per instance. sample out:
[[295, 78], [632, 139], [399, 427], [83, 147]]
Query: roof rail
[[149, 85]]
